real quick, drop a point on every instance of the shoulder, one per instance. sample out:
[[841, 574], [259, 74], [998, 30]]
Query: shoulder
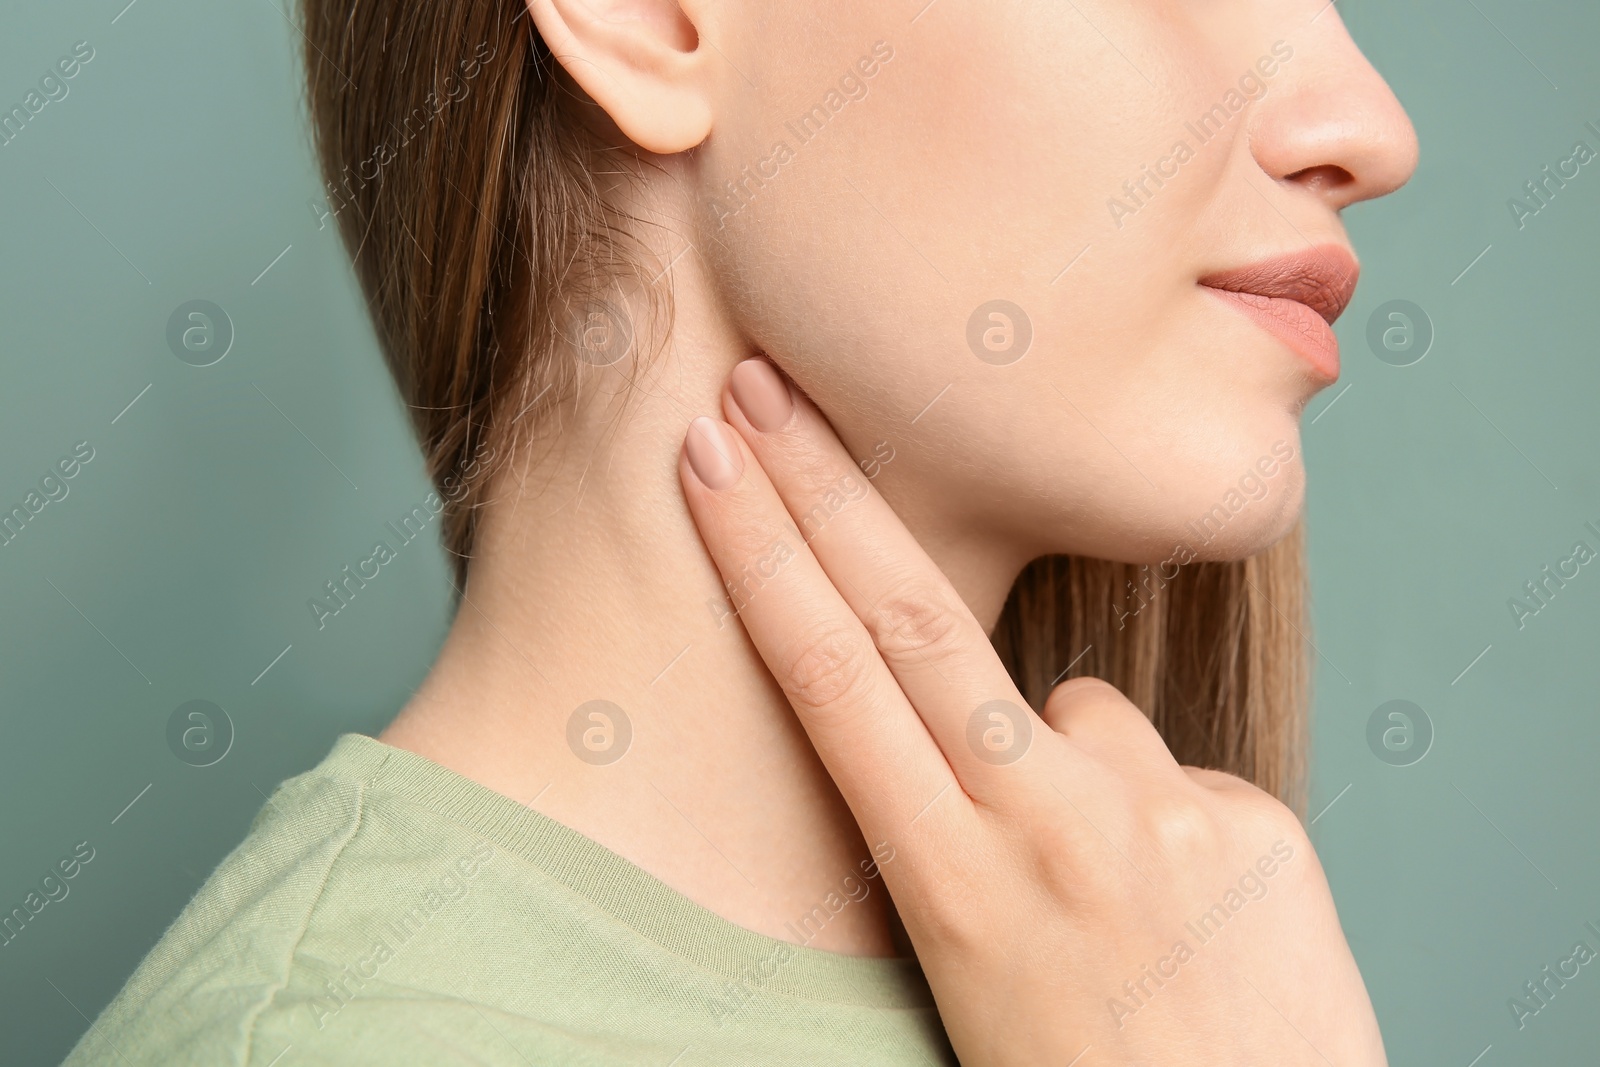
[[198, 993]]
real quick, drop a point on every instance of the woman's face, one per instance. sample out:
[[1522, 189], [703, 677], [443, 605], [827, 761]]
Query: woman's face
[[976, 232]]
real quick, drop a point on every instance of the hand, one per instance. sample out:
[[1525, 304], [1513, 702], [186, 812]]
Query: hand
[[1073, 894]]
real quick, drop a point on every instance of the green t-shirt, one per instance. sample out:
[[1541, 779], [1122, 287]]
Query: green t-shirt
[[385, 910]]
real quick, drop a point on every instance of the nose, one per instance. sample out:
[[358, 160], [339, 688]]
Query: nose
[[1333, 127]]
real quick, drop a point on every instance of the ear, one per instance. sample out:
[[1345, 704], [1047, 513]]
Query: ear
[[640, 60]]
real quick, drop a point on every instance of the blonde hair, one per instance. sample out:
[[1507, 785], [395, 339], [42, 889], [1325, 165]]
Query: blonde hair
[[464, 187]]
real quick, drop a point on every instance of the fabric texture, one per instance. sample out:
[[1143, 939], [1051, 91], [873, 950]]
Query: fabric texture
[[385, 910]]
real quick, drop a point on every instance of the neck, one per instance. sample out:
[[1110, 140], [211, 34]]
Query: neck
[[590, 582]]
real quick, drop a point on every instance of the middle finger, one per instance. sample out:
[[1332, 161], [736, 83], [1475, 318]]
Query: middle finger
[[936, 649]]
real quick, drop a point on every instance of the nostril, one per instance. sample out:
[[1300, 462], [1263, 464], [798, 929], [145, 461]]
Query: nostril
[[1325, 178]]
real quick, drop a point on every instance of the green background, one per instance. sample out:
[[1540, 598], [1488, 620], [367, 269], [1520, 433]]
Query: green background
[[177, 568]]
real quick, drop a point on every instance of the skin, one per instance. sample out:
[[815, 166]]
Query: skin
[[1046, 871], [978, 166]]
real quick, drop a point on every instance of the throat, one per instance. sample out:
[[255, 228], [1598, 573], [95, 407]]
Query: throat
[[605, 682]]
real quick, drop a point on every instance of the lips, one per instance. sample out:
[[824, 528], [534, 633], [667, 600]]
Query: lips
[[1295, 298]]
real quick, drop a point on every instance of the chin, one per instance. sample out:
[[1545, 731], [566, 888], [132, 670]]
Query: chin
[[1243, 524]]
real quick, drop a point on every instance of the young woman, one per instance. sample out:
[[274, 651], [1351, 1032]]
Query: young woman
[[809, 389]]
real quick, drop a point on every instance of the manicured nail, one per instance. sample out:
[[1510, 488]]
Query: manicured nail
[[761, 395], [713, 453]]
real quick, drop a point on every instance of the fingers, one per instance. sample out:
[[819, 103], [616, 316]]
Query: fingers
[[936, 650], [1097, 717], [1221, 781], [866, 731], [1092, 711]]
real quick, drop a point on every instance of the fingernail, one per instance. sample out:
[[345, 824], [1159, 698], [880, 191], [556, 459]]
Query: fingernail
[[713, 453], [761, 394]]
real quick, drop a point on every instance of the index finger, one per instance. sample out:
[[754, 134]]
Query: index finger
[[940, 655], [864, 728]]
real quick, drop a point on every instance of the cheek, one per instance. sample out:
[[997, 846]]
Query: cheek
[[977, 170], [866, 258]]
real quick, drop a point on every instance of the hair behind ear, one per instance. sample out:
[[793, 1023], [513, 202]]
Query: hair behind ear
[[462, 182]]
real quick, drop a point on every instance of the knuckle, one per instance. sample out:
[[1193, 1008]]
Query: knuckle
[[1182, 832], [1095, 709], [1225, 783], [1119, 717], [947, 915], [1275, 831], [1255, 808], [818, 487], [1275, 818], [1087, 697], [943, 897], [1086, 690], [1089, 687], [914, 620], [826, 669], [1061, 869]]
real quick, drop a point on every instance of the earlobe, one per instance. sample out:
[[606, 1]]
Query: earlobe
[[639, 60]]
